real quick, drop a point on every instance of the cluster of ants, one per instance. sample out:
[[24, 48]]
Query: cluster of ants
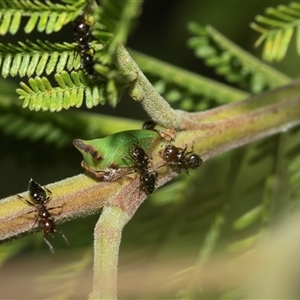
[[174, 156]]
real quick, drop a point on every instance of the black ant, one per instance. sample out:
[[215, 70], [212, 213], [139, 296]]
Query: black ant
[[40, 197], [149, 125], [168, 134], [148, 180], [82, 33], [141, 162], [180, 159], [140, 158]]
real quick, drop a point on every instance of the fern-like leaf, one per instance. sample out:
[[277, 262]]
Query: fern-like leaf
[[277, 30], [73, 89], [45, 17], [113, 24], [26, 59], [230, 61]]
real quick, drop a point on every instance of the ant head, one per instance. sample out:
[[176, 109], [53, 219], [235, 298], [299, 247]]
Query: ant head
[[194, 161]]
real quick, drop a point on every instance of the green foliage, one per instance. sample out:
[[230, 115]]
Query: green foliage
[[49, 17], [72, 90], [230, 61], [26, 59], [113, 23], [277, 30], [56, 129], [193, 92], [59, 59], [189, 91]]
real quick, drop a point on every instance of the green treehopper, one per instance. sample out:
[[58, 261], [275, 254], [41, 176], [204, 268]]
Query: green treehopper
[[108, 158]]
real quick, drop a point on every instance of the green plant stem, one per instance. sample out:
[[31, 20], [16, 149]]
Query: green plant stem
[[256, 117], [143, 91], [107, 239]]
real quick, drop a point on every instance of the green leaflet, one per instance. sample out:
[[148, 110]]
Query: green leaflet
[[44, 16], [108, 158], [72, 91], [232, 62], [39, 57], [277, 29], [248, 218]]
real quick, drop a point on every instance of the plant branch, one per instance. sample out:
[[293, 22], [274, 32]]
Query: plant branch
[[209, 133], [143, 91], [107, 236]]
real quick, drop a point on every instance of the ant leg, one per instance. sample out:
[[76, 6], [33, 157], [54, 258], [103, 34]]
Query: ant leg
[[131, 135], [189, 152], [187, 171], [49, 244], [24, 199], [64, 237], [183, 150], [93, 173], [163, 165], [129, 173], [51, 208], [50, 194], [30, 203], [36, 220], [128, 158]]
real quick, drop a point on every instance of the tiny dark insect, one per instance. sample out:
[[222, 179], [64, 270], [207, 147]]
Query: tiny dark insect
[[82, 37], [168, 134], [141, 161], [148, 181], [40, 197], [179, 159], [140, 158], [149, 125]]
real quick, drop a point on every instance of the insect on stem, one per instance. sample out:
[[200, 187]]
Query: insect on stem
[[39, 198]]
